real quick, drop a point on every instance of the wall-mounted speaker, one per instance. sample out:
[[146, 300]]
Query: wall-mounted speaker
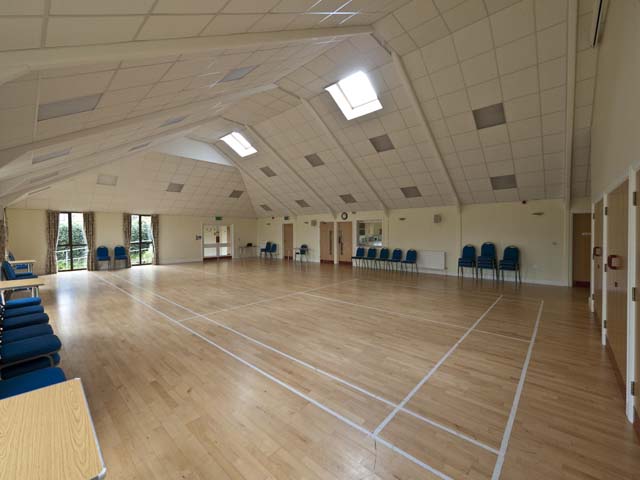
[[314, 223], [437, 218]]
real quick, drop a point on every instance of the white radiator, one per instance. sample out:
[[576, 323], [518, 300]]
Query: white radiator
[[431, 260]]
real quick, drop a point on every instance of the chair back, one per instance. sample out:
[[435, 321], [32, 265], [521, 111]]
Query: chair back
[[304, 248], [119, 251], [396, 256], [102, 252], [371, 253], [384, 254], [360, 252], [8, 271], [412, 256], [10, 256], [511, 254], [249, 244], [273, 248], [469, 252], [488, 250]]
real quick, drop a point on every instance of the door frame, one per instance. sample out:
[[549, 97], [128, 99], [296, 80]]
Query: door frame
[[574, 282], [230, 242], [293, 241]]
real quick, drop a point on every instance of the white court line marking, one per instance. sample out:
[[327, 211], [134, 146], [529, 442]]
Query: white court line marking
[[433, 370], [324, 408], [324, 372], [408, 315], [516, 401]]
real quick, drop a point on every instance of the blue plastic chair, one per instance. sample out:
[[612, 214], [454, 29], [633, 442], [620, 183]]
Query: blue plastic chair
[[511, 263], [487, 259], [265, 250], [383, 258], [370, 259], [468, 259], [31, 381], [411, 259], [120, 254], [18, 266], [273, 249], [303, 251], [396, 258], [10, 274], [102, 255], [358, 258]]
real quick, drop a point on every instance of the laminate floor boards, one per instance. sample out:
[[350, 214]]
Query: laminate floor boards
[[168, 403]]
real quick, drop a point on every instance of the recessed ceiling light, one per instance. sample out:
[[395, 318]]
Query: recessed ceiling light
[[266, 208], [175, 187], [239, 144], [50, 156], [268, 172], [108, 180], [411, 192], [70, 106], [314, 160], [238, 73], [503, 182], [355, 95], [382, 143], [138, 147], [303, 203], [490, 116], [348, 198], [236, 194], [173, 121]]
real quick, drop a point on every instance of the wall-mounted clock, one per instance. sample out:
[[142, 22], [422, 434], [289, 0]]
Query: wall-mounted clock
[[344, 215]]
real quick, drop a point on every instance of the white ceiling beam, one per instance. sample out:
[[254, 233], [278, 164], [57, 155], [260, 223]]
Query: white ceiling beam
[[273, 152], [245, 172], [9, 154], [11, 73], [413, 98], [327, 131], [572, 48], [59, 57]]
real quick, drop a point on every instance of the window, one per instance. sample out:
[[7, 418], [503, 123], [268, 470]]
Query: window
[[239, 144], [370, 233], [141, 250], [71, 251], [355, 95]]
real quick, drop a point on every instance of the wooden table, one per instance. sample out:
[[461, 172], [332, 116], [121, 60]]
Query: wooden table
[[48, 433], [31, 283], [28, 263]]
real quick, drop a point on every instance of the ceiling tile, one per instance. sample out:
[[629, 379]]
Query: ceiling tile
[[473, 40], [20, 33], [133, 77], [67, 31], [464, 14], [228, 24], [188, 6], [517, 55], [513, 22], [480, 69], [100, 7], [173, 26]]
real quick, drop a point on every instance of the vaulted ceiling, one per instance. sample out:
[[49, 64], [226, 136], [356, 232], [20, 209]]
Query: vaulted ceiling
[[142, 73]]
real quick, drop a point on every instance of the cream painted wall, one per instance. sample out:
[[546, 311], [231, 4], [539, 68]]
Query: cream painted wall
[[108, 229], [27, 236], [615, 143]]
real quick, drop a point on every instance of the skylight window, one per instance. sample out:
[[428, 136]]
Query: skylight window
[[355, 95], [239, 144]]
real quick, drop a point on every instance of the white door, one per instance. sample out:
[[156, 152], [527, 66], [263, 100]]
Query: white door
[[215, 241]]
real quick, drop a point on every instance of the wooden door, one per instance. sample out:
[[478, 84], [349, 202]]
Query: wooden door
[[287, 240], [581, 249], [617, 213], [598, 213], [345, 242], [636, 398], [326, 242]]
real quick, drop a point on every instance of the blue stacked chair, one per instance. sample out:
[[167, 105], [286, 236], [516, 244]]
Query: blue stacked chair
[[487, 259], [102, 255], [468, 259], [265, 250], [31, 381], [370, 259], [19, 266], [396, 258], [273, 250], [358, 258], [120, 254], [383, 258], [411, 260], [511, 263], [10, 274]]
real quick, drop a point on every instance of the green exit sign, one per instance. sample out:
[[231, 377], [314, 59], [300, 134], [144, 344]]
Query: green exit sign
[[218, 219]]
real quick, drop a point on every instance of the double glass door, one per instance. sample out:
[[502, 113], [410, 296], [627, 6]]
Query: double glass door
[[216, 241]]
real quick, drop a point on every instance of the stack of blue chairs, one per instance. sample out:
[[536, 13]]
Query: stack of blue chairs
[[29, 350], [386, 259]]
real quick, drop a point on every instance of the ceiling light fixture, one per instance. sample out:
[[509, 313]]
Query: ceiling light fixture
[[108, 180], [70, 106], [238, 73], [355, 95], [173, 121], [239, 144], [50, 156]]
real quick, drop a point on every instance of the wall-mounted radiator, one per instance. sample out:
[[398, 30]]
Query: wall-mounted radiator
[[432, 260]]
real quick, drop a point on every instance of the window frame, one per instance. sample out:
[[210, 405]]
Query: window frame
[[140, 243], [70, 243]]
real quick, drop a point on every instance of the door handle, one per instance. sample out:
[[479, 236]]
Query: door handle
[[614, 262]]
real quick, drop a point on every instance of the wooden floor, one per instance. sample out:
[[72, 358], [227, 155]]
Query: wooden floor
[[268, 370]]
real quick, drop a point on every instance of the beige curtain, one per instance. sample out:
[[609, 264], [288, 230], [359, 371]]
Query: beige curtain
[[53, 219], [89, 222], [155, 231], [126, 234]]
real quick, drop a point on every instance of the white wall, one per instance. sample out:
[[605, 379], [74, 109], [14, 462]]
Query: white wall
[[27, 236], [615, 143], [108, 229]]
